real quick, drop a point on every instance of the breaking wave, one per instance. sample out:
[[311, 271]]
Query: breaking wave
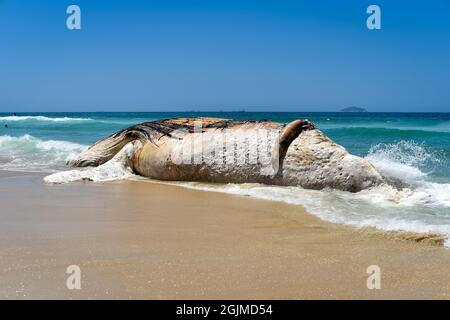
[[27, 153], [406, 160]]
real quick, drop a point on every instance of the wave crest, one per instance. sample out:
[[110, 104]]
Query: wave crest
[[42, 118]]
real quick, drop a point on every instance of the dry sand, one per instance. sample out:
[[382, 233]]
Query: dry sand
[[143, 240]]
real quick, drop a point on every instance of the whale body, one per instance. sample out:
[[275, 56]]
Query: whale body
[[227, 151]]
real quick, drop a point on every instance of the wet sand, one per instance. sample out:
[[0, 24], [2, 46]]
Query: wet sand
[[140, 240]]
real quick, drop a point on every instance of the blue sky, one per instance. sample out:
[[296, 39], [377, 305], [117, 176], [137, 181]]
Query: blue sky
[[224, 55]]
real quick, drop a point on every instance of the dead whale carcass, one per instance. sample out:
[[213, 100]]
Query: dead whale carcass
[[221, 150]]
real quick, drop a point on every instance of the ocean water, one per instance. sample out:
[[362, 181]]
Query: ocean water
[[414, 147]]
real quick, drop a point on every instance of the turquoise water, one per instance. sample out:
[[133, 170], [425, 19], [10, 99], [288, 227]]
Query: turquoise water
[[414, 147]]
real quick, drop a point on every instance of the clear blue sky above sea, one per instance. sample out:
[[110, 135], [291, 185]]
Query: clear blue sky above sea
[[224, 55]]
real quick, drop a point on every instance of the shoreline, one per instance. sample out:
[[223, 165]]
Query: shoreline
[[434, 239], [158, 241]]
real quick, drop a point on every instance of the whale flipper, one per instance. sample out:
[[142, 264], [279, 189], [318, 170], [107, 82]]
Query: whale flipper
[[289, 134]]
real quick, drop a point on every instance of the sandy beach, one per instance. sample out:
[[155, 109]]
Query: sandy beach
[[143, 240]]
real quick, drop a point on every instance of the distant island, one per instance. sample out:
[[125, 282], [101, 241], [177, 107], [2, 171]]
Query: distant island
[[353, 109]]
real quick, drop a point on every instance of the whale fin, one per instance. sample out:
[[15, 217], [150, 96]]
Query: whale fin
[[104, 150], [289, 134]]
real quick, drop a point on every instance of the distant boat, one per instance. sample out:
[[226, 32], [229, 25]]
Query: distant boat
[[353, 109]]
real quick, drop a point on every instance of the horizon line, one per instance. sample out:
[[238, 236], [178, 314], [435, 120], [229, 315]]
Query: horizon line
[[220, 111]]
